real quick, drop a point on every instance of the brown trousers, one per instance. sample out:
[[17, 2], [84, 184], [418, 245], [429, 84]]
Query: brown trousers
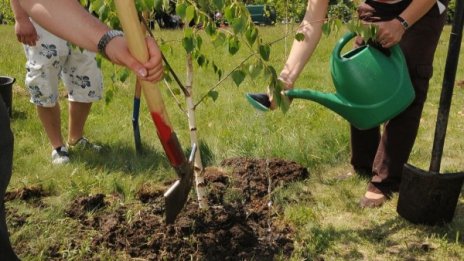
[[385, 154]]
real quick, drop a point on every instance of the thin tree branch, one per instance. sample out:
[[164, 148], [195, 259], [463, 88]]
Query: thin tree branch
[[174, 95], [223, 79]]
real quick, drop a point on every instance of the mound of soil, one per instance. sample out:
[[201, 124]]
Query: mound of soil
[[240, 224], [26, 193]]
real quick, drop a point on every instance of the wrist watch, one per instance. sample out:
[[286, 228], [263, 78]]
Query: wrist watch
[[403, 22], [105, 39]]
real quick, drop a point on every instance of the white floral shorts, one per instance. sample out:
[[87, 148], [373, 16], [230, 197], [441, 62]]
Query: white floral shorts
[[52, 59]]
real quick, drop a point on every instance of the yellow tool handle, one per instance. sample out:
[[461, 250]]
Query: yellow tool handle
[[136, 40]]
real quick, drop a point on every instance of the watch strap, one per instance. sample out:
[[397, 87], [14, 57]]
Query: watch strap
[[105, 39], [403, 22]]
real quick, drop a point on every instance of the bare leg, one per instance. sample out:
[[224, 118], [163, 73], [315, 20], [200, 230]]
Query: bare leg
[[51, 121], [78, 112]]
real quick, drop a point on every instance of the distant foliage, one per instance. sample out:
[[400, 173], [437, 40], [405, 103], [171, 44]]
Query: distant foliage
[[287, 10], [6, 14], [342, 10], [451, 11], [294, 11]]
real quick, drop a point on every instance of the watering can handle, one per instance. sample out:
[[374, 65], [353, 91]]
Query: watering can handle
[[350, 35], [341, 43]]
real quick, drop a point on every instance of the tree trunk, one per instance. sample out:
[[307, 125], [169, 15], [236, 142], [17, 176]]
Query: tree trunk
[[198, 170]]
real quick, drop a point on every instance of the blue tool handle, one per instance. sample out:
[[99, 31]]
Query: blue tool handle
[[136, 110], [135, 125]]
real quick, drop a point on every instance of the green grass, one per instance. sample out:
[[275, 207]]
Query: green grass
[[323, 209]]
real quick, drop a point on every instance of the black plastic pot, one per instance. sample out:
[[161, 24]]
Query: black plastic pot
[[6, 92], [428, 198]]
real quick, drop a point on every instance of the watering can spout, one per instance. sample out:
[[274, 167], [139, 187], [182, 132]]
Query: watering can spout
[[332, 101], [360, 116]]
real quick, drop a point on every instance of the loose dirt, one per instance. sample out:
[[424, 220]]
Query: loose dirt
[[240, 224]]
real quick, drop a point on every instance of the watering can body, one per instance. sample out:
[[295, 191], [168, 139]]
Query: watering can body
[[371, 87]]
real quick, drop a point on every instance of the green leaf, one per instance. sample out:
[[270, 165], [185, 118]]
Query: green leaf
[[338, 24], [198, 42], [99, 59], [255, 69], [113, 77], [219, 4], [238, 76], [219, 39], [233, 44], [203, 4], [123, 74], [157, 5], [190, 13], [281, 100], [217, 71], [115, 23], [326, 28], [151, 4], [188, 32], [265, 51], [229, 13], [103, 12], [270, 72], [83, 2], [213, 95], [167, 76], [140, 5], [165, 48], [251, 34], [166, 4], [176, 91], [181, 10], [210, 29], [201, 60], [187, 43], [238, 24], [299, 37]]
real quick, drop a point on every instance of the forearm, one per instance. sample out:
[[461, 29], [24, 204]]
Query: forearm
[[68, 20], [18, 11], [301, 51], [416, 10]]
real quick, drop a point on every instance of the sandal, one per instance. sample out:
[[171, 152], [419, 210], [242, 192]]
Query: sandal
[[368, 202]]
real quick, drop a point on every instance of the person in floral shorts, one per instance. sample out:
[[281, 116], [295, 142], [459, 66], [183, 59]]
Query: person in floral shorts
[[49, 59]]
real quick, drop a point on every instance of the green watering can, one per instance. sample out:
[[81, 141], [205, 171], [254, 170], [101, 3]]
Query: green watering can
[[371, 86]]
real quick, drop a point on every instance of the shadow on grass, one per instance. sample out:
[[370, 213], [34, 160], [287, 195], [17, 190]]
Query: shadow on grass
[[385, 236], [18, 115], [118, 157]]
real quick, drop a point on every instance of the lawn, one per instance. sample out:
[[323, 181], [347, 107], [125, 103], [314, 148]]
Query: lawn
[[321, 211]]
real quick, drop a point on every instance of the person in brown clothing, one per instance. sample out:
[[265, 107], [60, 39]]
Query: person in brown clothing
[[416, 26]]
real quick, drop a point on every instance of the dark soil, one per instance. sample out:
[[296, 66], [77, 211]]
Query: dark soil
[[32, 193], [240, 224]]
